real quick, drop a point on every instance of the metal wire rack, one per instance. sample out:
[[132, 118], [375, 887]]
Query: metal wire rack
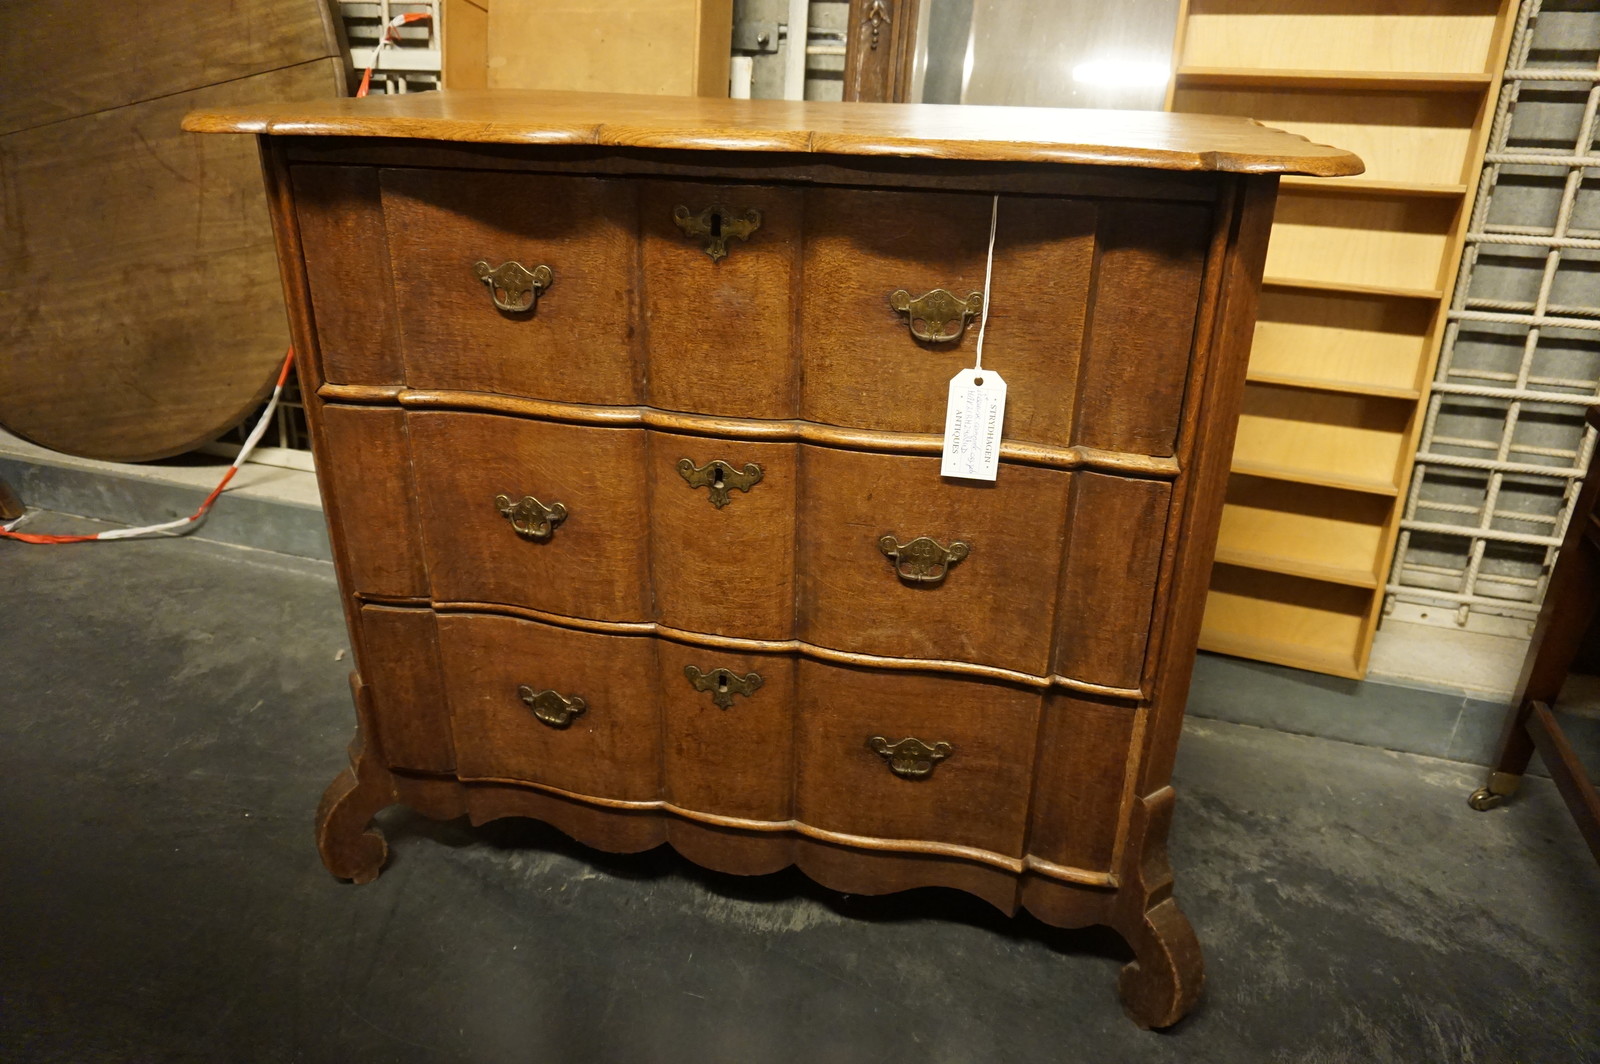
[[1503, 446], [287, 441], [413, 61]]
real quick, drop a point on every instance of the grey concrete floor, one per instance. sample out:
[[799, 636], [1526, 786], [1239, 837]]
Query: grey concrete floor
[[170, 712]]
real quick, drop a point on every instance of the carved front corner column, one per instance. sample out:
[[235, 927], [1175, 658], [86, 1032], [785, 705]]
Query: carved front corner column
[[880, 49]]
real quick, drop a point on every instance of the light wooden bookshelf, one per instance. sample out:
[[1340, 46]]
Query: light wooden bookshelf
[[1357, 281]]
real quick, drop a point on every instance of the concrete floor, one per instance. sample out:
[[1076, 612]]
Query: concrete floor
[[170, 712]]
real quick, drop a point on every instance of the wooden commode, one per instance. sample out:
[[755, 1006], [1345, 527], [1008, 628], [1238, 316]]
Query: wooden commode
[[628, 414]]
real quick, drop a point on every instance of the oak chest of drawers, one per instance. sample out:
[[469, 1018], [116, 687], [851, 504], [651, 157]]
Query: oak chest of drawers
[[628, 415]]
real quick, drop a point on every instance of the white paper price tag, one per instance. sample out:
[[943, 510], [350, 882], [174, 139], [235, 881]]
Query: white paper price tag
[[972, 425]]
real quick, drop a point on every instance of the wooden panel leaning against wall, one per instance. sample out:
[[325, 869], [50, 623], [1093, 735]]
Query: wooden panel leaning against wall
[[145, 313], [1358, 274]]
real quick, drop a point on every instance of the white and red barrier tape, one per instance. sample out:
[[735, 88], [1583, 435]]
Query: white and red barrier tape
[[7, 531], [388, 38], [183, 523]]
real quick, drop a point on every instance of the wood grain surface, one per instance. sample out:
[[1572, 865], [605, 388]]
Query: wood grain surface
[[977, 796], [769, 329], [140, 307], [141, 313], [880, 48], [739, 761], [851, 597], [862, 366], [371, 500], [728, 571], [812, 651], [594, 564], [1076, 457], [721, 332], [927, 131], [611, 749], [400, 663], [1083, 776], [1136, 350], [347, 267], [59, 62], [1113, 561], [577, 343]]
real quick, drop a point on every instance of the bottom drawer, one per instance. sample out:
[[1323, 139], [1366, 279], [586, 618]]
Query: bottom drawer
[[541, 704], [903, 755], [772, 738]]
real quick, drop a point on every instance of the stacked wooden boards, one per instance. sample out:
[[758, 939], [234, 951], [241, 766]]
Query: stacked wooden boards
[[1358, 276], [140, 307]]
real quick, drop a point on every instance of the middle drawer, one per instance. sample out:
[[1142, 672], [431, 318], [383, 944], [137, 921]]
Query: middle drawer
[[867, 553]]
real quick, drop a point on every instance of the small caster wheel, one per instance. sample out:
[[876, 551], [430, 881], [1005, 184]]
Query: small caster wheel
[[1484, 799]]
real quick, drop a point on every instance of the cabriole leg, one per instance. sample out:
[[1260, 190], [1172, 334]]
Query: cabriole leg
[[351, 848], [1163, 981]]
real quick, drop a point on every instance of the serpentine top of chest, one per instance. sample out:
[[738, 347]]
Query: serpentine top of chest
[[628, 415]]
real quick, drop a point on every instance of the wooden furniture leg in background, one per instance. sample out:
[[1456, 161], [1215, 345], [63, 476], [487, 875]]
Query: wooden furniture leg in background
[[1564, 619]]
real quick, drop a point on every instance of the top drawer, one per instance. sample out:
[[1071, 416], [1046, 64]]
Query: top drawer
[[1091, 317], [752, 301], [573, 340]]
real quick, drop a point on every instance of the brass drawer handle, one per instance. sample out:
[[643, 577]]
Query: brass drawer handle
[[551, 708], [723, 684], [720, 477], [937, 317], [910, 759], [531, 518], [512, 286], [716, 224], [922, 561]]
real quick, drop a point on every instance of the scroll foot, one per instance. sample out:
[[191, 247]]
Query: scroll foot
[[351, 848], [1161, 984], [1163, 981]]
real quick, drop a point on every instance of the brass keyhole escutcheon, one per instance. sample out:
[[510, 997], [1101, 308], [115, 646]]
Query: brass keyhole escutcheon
[[937, 317], [531, 518], [910, 759], [923, 560], [723, 684], [551, 707], [716, 225], [720, 478], [513, 287]]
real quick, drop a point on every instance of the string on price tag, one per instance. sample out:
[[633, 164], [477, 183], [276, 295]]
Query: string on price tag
[[976, 412]]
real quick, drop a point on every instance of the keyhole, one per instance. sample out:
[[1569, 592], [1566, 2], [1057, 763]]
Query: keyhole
[[716, 478], [716, 223]]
